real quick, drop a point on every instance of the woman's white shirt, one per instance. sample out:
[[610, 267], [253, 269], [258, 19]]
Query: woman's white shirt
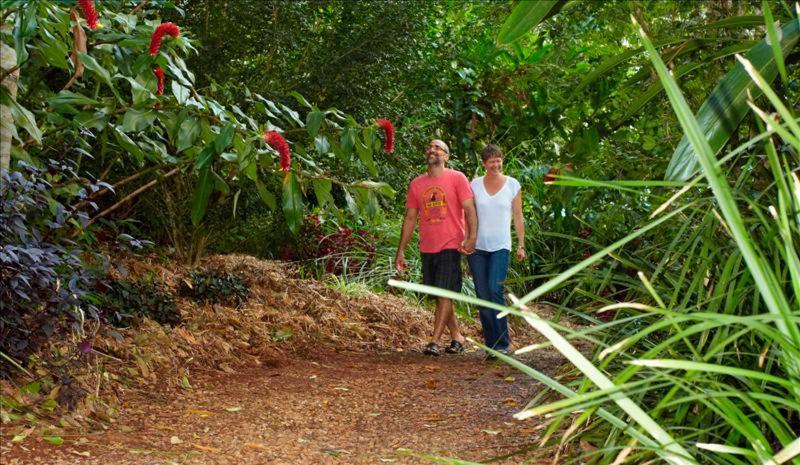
[[494, 214]]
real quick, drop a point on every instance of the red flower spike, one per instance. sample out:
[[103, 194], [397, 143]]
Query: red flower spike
[[160, 76], [277, 142], [89, 13], [388, 132], [163, 28]]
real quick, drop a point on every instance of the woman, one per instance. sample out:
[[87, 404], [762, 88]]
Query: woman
[[497, 199]]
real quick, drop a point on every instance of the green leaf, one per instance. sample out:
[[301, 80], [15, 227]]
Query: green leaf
[[205, 157], [223, 140], [187, 133], [92, 65], [380, 187], [25, 119], [266, 196], [137, 120], [54, 440], [185, 383], [126, 143], [766, 282], [205, 184], [322, 190], [525, 16], [721, 113], [314, 121], [365, 155], [292, 202], [735, 22], [300, 99], [774, 40], [66, 97], [220, 184], [322, 145], [180, 92]]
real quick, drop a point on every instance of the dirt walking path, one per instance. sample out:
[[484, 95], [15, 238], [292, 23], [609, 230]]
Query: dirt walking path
[[337, 408]]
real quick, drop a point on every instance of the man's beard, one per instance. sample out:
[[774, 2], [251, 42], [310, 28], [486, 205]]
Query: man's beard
[[436, 160]]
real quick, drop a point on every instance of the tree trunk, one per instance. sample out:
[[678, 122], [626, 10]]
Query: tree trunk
[[8, 60]]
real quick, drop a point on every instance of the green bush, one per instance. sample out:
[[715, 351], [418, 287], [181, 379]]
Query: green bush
[[215, 287], [128, 300]]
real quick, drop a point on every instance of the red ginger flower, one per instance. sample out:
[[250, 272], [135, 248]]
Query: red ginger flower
[[89, 13], [158, 34], [277, 142], [160, 76], [388, 132]]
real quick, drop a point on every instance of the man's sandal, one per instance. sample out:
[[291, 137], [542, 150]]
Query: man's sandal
[[432, 349], [455, 347]]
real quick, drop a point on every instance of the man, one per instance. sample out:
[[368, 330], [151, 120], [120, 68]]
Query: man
[[440, 199]]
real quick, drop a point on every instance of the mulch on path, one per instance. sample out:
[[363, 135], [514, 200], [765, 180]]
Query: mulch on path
[[333, 407]]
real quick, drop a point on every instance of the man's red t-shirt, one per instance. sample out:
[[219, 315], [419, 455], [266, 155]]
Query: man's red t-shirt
[[441, 216]]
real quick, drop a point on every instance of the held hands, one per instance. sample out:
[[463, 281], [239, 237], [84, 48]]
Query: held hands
[[468, 246]]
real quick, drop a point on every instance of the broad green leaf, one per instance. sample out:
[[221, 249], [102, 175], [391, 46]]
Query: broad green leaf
[[292, 202], [365, 155], [220, 184], [205, 157], [525, 16], [205, 184], [721, 113], [266, 196], [129, 145], [139, 93], [25, 119], [322, 190], [187, 133], [137, 120], [380, 187], [223, 140], [180, 92], [300, 99], [314, 121], [66, 97], [322, 145], [92, 65]]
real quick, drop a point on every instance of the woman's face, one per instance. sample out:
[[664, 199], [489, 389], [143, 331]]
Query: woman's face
[[493, 165]]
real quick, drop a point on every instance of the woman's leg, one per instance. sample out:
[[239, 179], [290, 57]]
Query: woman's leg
[[479, 266], [497, 270]]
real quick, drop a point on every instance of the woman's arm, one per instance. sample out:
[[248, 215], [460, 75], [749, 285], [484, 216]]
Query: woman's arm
[[519, 225]]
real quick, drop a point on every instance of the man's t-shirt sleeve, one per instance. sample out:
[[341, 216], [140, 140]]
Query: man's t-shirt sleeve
[[411, 198], [463, 189]]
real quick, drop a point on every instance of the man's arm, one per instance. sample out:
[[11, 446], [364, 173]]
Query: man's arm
[[519, 225], [409, 223], [472, 226]]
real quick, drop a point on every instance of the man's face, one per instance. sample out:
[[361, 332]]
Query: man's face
[[436, 154]]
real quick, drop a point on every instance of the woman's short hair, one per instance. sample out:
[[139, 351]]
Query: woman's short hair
[[491, 151]]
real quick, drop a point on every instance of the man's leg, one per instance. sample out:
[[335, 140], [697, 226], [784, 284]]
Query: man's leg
[[442, 317]]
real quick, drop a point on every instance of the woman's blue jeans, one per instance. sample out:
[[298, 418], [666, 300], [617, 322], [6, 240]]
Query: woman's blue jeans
[[489, 270]]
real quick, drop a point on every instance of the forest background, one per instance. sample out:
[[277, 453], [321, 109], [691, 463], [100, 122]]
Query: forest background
[[104, 159]]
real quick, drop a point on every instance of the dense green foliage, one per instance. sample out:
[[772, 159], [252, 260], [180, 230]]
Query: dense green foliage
[[216, 288], [692, 308]]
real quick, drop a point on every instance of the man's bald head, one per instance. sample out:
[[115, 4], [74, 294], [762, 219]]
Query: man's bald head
[[441, 144]]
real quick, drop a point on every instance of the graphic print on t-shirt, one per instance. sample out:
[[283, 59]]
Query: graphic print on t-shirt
[[435, 210]]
